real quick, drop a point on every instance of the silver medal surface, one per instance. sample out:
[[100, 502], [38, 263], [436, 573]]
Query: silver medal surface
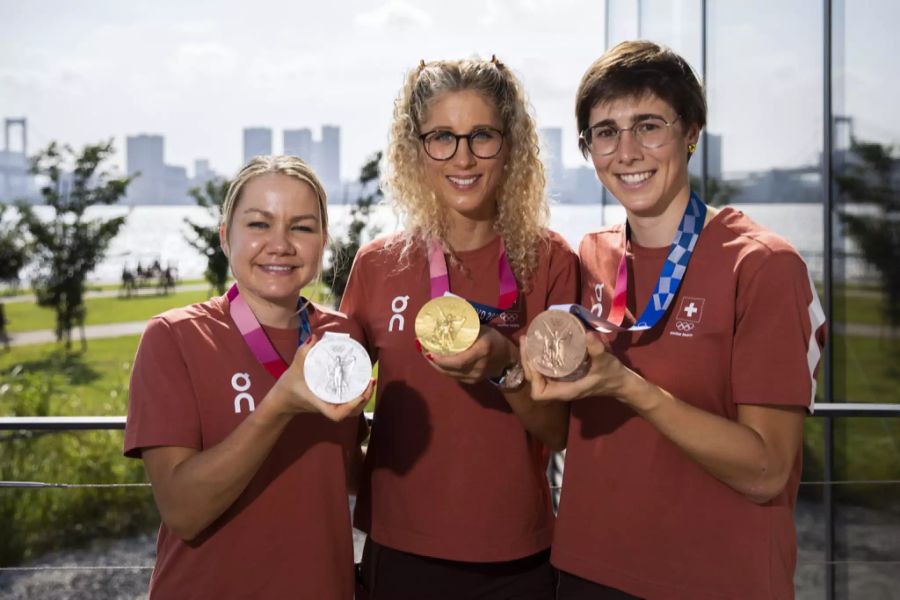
[[337, 369]]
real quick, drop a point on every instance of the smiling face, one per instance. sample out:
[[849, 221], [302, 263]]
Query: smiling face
[[465, 184], [647, 181], [274, 242]]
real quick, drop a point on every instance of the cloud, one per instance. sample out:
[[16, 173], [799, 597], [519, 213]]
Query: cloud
[[203, 59], [394, 15]]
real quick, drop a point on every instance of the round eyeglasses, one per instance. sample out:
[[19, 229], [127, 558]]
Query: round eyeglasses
[[484, 142], [650, 132]]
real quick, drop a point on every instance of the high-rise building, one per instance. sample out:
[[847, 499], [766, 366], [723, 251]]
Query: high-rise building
[[144, 159], [257, 142], [328, 157], [299, 142]]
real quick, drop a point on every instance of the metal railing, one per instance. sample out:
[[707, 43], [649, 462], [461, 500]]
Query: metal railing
[[826, 411]]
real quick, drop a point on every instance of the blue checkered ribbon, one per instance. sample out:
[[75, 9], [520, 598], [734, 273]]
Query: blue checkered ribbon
[[673, 270]]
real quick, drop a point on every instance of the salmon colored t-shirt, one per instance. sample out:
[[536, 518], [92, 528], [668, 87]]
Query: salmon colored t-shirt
[[636, 512], [450, 471], [288, 535]]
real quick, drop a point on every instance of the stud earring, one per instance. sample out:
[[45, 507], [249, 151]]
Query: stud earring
[[692, 148]]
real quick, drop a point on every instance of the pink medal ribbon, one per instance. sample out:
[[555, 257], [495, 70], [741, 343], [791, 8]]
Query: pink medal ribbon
[[255, 336], [440, 281]]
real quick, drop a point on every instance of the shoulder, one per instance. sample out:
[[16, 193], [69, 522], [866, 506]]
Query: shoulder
[[751, 246], [556, 244], [189, 320], [607, 237]]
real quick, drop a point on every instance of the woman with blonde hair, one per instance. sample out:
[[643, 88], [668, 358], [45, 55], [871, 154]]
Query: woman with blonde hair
[[453, 494], [247, 465]]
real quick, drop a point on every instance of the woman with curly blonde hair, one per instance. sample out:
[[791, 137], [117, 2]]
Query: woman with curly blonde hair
[[453, 495]]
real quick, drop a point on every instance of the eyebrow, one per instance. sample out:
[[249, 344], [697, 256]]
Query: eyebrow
[[474, 128], [294, 219], [634, 119]]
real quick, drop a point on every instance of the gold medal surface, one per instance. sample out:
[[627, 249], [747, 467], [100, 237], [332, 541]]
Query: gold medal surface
[[555, 343], [447, 325]]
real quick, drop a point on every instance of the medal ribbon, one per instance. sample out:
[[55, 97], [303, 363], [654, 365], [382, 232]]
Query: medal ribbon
[[667, 284], [440, 281], [255, 336]]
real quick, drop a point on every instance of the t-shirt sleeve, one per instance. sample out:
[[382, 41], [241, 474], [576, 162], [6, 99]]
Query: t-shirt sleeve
[[779, 334], [162, 408], [354, 303]]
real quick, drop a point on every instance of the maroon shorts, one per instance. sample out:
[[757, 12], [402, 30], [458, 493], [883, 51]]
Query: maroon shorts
[[572, 587], [388, 574]]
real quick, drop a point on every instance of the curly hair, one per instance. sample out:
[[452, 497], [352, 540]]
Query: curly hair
[[521, 203]]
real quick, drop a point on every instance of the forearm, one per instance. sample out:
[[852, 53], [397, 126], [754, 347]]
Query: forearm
[[194, 492], [547, 421], [732, 452]]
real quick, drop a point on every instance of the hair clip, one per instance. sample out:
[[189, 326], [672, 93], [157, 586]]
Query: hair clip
[[496, 62], [421, 64]]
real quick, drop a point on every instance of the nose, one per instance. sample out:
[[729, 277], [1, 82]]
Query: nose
[[464, 157], [278, 241], [629, 148]]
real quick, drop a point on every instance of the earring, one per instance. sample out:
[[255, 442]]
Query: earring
[[692, 148]]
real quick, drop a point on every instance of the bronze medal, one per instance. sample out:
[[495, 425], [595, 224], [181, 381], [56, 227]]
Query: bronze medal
[[556, 344]]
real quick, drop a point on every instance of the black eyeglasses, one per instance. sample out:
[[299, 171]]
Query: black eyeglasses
[[652, 132], [484, 142]]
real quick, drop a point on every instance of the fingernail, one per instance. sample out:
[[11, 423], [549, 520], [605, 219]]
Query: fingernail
[[430, 357], [418, 345], [308, 340]]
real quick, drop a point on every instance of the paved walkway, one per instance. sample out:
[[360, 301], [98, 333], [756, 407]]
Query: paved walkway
[[91, 332]]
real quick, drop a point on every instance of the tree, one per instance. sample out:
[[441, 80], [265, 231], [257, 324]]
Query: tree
[[344, 251], [68, 246], [869, 178], [206, 237], [13, 251], [718, 192]]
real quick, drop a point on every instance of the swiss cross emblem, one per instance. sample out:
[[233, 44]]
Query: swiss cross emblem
[[691, 309]]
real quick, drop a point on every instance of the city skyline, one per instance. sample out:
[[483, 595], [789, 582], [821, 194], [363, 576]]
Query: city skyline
[[199, 75]]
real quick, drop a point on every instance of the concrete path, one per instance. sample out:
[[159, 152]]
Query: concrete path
[[91, 332]]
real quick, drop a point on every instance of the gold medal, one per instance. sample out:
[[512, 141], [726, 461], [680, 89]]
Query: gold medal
[[447, 325], [556, 344]]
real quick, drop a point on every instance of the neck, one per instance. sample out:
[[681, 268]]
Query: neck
[[273, 314], [469, 234], [658, 230]]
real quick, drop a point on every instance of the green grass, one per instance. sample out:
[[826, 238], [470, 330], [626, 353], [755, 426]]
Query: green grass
[[28, 316], [45, 380]]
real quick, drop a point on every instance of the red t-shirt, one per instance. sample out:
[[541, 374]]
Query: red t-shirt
[[637, 513], [288, 535], [450, 471]]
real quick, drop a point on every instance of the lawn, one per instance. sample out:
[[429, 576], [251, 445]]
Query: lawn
[[28, 316]]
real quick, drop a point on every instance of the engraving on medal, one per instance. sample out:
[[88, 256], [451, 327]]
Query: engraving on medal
[[555, 343], [447, 325], [337, 369]]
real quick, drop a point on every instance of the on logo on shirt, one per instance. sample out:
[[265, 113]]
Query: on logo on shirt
[[240, 382]]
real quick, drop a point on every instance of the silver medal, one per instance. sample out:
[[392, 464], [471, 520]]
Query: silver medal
[[337, 369]]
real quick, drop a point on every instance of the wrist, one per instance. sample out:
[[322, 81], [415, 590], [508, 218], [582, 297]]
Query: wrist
[[638, 393]]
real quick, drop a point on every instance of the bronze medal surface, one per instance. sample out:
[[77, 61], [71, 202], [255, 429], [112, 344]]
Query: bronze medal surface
[[447, 325], [555, 343]]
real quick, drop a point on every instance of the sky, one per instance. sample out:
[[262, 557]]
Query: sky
[[199, 72]]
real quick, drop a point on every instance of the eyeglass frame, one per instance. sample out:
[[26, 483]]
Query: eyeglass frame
[[458, 137], [631, 129]]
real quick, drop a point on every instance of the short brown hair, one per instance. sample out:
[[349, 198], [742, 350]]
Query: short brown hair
[[636, 68]]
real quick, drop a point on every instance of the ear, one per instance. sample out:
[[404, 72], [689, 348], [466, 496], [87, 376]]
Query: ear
[[223, 241], [692, 136]]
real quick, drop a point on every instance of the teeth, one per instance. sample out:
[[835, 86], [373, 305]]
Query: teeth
[[277, 268], [461, 181], [635, 177]]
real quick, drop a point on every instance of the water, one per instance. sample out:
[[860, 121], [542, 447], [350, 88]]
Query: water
[[154, 233]]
